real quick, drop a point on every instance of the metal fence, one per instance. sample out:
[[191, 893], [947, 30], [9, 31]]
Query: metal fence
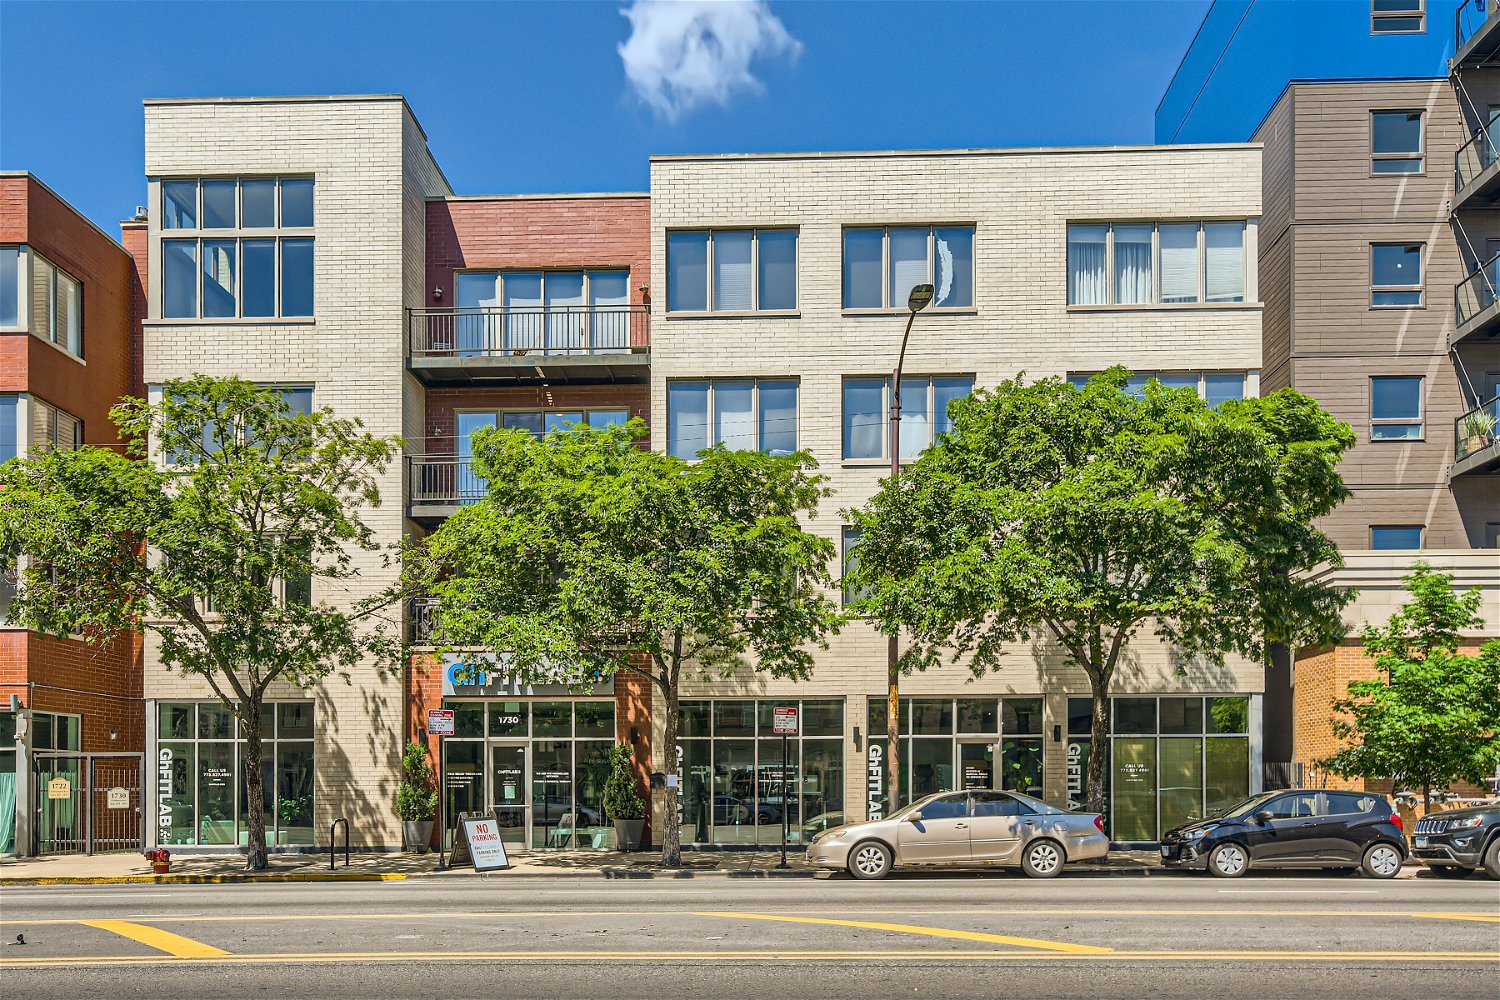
[[87, 802], [1476, 430]]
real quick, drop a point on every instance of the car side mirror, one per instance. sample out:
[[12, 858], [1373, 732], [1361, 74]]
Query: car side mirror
[[915, 817], [1264, 816]]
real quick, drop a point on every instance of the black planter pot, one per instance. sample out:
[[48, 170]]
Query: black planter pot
[[628, 833]]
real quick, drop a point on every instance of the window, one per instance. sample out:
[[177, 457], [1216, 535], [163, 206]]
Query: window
[[1395, 17], [1404, 536], [732, 270], [1396, 142], [11, 269], [882, 264], [540, 423], [1213, 387], [850, 543], [1396, 274], [983, 745], [998, 804], [54, 428], [254, 257], [10, 428], [741, 414], [215, 434], [1341, 803], [1146, 263], [1299, 806], [547, 312], [947, 807], [1396, 408], [38, 296], [924, 413]]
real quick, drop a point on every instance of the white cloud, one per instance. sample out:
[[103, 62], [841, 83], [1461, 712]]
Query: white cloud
[[685, 53]]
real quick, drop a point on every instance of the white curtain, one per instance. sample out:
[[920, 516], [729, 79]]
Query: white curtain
[[864, 418], [734, 415], [1087, 285], [687, 418], [1132, 265]]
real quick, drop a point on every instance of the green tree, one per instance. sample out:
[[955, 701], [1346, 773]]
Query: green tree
[[208, 532], [590, 555], [1081, 516], [416, 795], [1432, 716]]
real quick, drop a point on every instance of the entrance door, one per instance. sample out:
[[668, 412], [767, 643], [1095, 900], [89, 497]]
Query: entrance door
[[510, 780], [976, 766]]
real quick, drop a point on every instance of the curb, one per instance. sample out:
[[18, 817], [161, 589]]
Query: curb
[[202, 879]]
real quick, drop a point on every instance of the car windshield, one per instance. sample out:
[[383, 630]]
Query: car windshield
[[1248, 806]]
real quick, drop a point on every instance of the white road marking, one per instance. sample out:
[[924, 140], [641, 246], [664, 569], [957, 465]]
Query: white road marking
[[1302, 892]]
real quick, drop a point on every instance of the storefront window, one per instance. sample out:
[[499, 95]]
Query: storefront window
[[736, 788], [200, 784]]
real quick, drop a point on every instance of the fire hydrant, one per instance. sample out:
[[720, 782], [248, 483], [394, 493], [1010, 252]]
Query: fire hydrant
[[161, 860]]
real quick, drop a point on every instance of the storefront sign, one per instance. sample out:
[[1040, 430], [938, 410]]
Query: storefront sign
[[784, 721], [875, 789], [117, 798], [164, 794], [485, 845], [1077, 761], [59, 788], [440, 722], [486, 675]]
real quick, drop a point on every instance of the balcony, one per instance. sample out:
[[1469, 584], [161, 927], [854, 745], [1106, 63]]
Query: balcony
[[1476, 444], [420, 614], [1476, 181], [1476, 306], [496, 345], [1476, 33], [437, 484]]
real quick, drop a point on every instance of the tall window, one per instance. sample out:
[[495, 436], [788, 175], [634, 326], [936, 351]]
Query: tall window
[[1213, 387], [741, 414], [39, 296], [1396, 408], [732, 270], [12, 267], [924, 413], [54, 428], [1400, 536], [882, 264], [849, 544], [1396, 274], [10, 427], [253, 252], [1146, 263], [555, 312], [1396, 142], [1398, 17]]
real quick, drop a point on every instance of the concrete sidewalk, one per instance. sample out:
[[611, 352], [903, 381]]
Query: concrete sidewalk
[[132, 867]]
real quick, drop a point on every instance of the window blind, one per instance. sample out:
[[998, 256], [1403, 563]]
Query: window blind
[[734, 415], [1224, 245], [732, 274], [1179, 263], [908, 263]]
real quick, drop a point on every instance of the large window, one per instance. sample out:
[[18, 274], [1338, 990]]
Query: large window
[[924, 413], [199, 774], [253, 255], [1213, 387], [740, 414], [1398, 17], [1396, 274], [10, 427], [1396, 408], [732, 270], [1396, 142], [1149, 263], [881, 264], [551, 312], [12, 266], [1396, 536], [736, 786], [54, 428], [958, 743], [849, 540], [39, 296]]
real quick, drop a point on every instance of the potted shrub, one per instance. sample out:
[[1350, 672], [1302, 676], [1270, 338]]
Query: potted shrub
[[1479, 430], [621, 801], [416, 798]]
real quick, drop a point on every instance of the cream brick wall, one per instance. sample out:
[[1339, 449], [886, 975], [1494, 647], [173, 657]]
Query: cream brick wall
[[1020, 203], [373, 174]]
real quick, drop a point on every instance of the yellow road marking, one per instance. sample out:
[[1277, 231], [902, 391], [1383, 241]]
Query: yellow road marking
[[942, 932], [173, 944], [765, 956], [1482, 917]]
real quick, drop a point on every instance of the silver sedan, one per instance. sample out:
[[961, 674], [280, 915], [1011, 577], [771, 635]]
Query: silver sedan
[[964, 828]]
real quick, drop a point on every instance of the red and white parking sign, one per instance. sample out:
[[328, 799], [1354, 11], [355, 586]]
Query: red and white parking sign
[[440, 722], [784, 721]]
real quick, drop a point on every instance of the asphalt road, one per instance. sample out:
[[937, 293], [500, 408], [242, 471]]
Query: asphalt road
[[949, 936]]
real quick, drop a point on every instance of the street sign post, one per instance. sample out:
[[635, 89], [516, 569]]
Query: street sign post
[[785, 723], [440, 722]]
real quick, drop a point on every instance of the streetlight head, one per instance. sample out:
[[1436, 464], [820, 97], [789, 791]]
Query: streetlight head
[[920, 298]]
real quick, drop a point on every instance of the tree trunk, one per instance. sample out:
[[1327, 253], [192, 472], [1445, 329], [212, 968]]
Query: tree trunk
[[1426, 796], [255, 817], [892, 732], [1098, 741], [671, 832]]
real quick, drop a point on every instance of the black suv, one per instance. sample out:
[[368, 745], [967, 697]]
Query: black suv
[[1293, 828], [1455, 843]]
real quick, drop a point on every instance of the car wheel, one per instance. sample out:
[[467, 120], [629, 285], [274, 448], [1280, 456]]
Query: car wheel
[[1228, 861], [1492, 859], [1382, 861], [1451, 871], [1042, 858], [870, 859]]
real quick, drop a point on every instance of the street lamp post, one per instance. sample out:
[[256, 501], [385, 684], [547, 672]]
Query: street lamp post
[[919, 299]]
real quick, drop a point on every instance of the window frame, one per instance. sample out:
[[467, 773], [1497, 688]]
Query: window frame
[[1420, 287], [1249, 296], [198, 235], [28, 259], [1419, 421], [1249, 386], [1418, 11], [1421, 530], [755, 383], [885, 267], [500, 413], [885, 403], [850, 538], [711, 232], [1420, 156]]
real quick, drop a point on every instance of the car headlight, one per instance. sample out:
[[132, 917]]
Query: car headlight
[[1466, 824], [1200, 833]]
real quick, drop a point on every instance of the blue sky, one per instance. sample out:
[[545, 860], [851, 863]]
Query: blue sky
[[533, 97]]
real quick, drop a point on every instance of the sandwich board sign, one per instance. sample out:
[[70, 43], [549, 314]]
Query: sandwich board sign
[[479, 844]]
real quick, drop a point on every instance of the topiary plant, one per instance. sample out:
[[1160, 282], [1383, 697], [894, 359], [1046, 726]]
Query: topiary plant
[[416, 798], [621, 800]]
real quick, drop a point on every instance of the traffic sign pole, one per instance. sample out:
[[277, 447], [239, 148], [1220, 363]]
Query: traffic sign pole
[[785, 817]]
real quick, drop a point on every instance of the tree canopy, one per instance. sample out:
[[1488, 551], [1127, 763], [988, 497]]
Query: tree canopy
[[1084, 515], [590, 555]]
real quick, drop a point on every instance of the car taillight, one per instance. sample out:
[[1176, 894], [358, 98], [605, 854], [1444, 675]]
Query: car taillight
[[1099, 822], [1396, 822]]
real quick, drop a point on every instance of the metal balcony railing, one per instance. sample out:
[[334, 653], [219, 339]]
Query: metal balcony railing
[[1469, 17], [1476, 293], [1475, 431], [551, 331], [442, 479], [421, 613], [1473, 157]]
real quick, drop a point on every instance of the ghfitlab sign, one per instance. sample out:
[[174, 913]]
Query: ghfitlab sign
[[875, 782]]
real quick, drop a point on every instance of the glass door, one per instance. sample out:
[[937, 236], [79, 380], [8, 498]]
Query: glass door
[[976, 765], [469, 487], [509, 799]]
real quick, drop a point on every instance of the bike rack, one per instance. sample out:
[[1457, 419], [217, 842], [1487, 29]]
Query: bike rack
[[333, 842]]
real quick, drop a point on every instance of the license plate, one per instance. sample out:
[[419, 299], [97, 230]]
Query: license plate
[[1419, 842], [1166, 852]]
